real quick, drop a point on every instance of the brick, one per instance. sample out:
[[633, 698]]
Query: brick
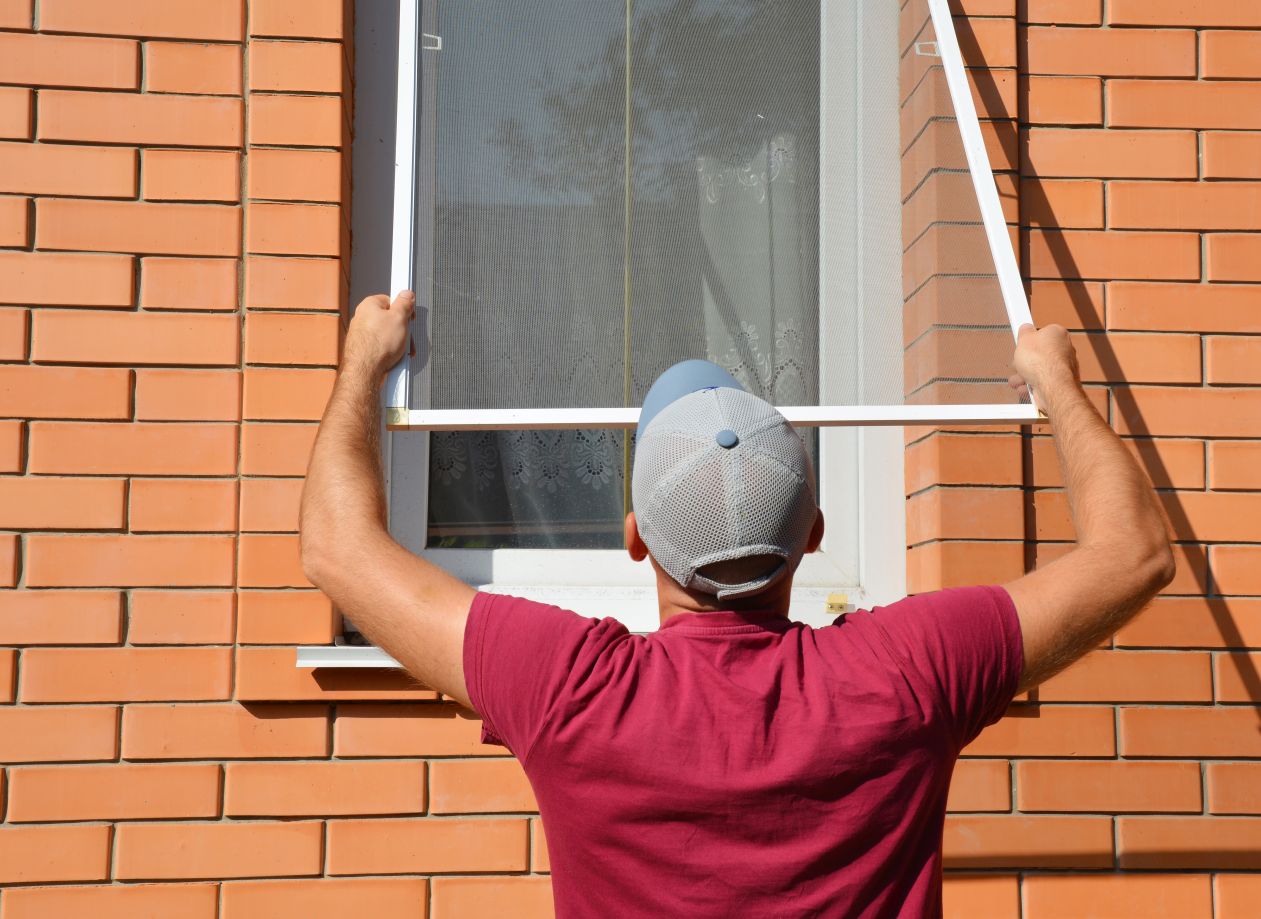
[[1063, 100], [64, 392], [294, 229], [1111, 52], [182, 67], [980, 785], [1190, 732], [540, 859], [125, 674], [1167, 896], [1180, 412], [317, 789], [1184, 307], [68, 279], [183, 505], [292, 283], [157, 851], [35, 854], [1019, 841], [292, 66], [327, 898], [60, 734], [1072, 304], [127, 118], [165, 732], [12, 446], [1236, 895], [1232, 154], [1185, 206], [1233, 257], [134, 226], [54, 617], [937, 565], [1048, 731], [285, 617], [427, 846], [292, 338], [1196, 13], [1208, 517], [381, 729], [996, 896], [112, 337], [47, 503], [1233, 788], [16, 107], [1138, 358], [1189, 842], [15, 225], [1235, 465], [59, 169], [276, 449], [1195, 622], [1230, 55], [192, 175], [176, 617], [61, 60], [17, 14], [1132, 676], [1063, 204], [299, 395], [129, 561], [188, 283], [116, 901], [1232, 359], [1064, 12], [1107, 787], [48, 794], [295, 121], [297, 18], [1114, 255], [268, 674], [946, 459], [9, 551], [271, 561], [1087, 153], [488, 786], [188, 395], [295, 175], [1237, 677], [1168, 463], [8, 687], [521, 897], [1183, 104], [959, 513], [215, 20], [137, 449], [270, 505]]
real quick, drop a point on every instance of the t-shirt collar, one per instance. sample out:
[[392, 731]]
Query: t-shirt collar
[[727, 621]]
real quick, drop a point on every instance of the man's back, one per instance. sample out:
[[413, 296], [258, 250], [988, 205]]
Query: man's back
[[738, 763]]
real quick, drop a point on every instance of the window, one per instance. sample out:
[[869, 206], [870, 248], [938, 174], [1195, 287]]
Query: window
[[588, 193]]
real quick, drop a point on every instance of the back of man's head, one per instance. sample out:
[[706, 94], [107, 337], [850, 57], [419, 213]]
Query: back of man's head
[[722, 486]]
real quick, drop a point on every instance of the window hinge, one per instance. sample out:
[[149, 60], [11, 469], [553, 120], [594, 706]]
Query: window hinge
[[927, 49], [430, 42]]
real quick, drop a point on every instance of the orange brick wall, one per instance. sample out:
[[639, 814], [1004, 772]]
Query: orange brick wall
[[173, 246]]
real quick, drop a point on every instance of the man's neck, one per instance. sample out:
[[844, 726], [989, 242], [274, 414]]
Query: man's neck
[[673, 600]]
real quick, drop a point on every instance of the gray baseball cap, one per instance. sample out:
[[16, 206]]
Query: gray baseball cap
[[719, 475]]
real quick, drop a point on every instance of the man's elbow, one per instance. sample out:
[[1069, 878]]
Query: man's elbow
[[1161, 565]]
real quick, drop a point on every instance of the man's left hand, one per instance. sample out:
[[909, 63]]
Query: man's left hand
[[379, 333]]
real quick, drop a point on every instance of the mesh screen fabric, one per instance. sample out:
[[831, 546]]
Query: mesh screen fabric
[[698, 503]]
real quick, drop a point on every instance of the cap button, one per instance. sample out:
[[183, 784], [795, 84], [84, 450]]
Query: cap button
[[727, 439]]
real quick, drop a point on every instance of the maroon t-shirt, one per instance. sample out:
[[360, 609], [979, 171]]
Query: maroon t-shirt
[[738, 764]]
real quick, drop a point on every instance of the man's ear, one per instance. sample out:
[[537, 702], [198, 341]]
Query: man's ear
[[816, 533], [634, 545]]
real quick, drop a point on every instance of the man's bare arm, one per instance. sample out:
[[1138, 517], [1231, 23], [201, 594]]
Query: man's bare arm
[[413, 610], [1122, 558]]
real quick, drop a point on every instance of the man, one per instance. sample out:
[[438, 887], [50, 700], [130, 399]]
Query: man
[[733, 763]]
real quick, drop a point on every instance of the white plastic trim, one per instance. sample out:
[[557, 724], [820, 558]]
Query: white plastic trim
[[402, 253]]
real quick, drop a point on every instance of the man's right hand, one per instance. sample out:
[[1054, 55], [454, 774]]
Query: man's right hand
[[1045, 361]]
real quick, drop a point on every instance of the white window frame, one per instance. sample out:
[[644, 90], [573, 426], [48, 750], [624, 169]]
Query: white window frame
[[861, 447]]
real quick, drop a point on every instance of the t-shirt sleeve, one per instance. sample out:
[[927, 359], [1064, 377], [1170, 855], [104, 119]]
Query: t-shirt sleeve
[[520, 657], [966, 645]]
